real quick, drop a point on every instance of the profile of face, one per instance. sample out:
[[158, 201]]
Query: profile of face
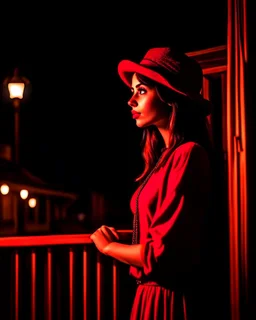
[[147, 107]]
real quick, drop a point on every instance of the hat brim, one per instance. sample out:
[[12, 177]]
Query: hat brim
[[127, 68]]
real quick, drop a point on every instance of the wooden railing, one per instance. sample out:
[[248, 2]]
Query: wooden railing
[[58, 277]]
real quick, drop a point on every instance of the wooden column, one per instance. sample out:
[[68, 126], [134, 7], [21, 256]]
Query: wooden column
[[237, 154]]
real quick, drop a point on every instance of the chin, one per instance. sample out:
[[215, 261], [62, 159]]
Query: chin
[[141, 124]]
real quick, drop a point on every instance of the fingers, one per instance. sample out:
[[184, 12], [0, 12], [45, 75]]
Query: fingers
[[93, 235], [108, 231], [114, 232]]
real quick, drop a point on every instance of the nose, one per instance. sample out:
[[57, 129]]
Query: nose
[[132, 102]]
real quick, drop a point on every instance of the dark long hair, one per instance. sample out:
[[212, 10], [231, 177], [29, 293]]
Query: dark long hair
[[187, 123]]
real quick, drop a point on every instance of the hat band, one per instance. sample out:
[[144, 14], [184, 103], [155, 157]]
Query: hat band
[[169, 65]]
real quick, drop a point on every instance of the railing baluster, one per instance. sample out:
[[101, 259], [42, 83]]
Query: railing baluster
[[17, 270], [115, 289], [33, 285], [99, 272], [85, 282], [71, 283], [49, 284], [59, 290]]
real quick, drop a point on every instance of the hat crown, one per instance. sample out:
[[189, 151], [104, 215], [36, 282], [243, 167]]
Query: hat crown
[[173, 62], [164, 57]]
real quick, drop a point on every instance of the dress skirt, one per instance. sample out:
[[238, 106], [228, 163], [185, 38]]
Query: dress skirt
[[153, 302]]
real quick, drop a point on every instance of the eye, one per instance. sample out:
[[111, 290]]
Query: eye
[[142, 90]]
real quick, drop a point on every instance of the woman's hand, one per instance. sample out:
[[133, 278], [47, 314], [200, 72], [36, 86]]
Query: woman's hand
[[103, 236]]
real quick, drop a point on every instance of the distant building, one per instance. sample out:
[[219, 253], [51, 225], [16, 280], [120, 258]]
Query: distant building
[[28, 205]]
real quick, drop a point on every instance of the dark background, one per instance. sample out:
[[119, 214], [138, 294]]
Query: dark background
[[75, 125]]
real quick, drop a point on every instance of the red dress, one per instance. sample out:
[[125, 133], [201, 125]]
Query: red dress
[[172, 206]]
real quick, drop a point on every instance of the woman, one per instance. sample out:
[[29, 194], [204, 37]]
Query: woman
[[170, 204]]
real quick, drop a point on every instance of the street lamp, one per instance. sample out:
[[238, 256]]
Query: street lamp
[[16, 86]]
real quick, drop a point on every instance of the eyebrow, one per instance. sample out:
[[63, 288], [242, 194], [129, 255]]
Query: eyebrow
[[137, 85]]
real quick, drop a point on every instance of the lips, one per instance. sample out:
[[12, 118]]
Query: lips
[[135, 115]]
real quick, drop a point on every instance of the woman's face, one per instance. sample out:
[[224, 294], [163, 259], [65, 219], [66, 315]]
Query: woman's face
[[147, 108]]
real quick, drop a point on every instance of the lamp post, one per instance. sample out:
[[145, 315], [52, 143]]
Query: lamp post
[[16, 86]]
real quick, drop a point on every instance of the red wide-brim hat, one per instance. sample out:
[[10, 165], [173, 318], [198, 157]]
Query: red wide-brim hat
[[172, 69]]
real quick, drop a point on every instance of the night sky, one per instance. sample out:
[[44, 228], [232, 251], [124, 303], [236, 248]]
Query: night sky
[[75, 126]]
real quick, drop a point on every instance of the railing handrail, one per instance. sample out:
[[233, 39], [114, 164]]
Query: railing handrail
[[56, 239]]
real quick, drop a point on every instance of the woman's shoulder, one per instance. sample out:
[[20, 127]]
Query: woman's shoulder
[[187, 152], [187, 148]]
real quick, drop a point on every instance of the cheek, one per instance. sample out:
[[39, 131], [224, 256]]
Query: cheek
[[154, 109], [157, 110], [150, 107]]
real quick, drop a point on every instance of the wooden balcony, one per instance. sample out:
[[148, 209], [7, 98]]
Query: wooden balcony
[[58, 277]]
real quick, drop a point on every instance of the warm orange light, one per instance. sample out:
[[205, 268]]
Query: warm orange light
[[32, 202], [4, 189], [24, 194], [16, 90], [16, 85]]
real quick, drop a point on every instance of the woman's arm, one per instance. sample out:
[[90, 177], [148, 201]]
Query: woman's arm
[[128, 253]]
